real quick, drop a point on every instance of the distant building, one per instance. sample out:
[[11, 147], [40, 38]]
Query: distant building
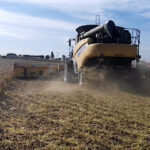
[[11, 55]]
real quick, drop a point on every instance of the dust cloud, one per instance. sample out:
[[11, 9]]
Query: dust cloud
[[103, 82]]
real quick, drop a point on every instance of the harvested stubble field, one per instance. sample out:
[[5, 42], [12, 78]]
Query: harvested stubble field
[[52, 115]]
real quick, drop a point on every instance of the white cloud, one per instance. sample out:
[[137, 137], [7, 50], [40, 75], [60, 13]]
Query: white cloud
[[95, 5], [146, 14], [23, 26], [17, 32], [87, 9], [19, 19]]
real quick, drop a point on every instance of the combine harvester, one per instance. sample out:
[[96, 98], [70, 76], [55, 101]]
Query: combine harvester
[[104, 47]]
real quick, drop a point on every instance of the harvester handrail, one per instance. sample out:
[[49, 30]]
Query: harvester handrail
[[135, 36]]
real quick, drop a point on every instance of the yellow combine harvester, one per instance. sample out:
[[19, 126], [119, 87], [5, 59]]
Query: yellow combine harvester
[[106, 46], [34, 70]]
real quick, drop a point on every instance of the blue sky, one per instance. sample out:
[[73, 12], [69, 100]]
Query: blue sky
[[41, 26]]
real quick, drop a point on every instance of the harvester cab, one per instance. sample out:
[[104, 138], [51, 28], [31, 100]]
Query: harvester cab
[[103, 46]]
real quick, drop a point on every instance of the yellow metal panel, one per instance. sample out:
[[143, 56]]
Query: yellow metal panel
[[18, 72], [80, 44], [108, 50], [36, 71]]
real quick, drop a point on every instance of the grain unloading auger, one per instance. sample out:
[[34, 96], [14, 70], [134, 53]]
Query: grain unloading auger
[[104, 47]]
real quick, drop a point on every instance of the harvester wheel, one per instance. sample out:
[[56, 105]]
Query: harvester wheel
[[91, 77], [65, 73], [80, 77], [69, 75], [147, 75]]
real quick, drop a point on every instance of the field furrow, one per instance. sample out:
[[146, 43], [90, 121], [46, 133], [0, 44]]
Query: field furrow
[[53, 115]]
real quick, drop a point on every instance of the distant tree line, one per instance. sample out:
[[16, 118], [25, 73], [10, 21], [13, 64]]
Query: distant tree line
[[41, 57]]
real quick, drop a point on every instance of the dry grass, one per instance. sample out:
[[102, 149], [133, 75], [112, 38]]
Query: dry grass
[[5, 74], [53, 115]]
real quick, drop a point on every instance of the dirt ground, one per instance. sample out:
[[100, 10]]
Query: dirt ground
[[52, 115]]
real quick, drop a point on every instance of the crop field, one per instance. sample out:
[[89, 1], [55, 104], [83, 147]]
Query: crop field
[[5, 73], [52, 115]]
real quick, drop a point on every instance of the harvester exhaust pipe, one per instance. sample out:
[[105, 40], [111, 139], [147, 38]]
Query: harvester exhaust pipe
[[109, 27]]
